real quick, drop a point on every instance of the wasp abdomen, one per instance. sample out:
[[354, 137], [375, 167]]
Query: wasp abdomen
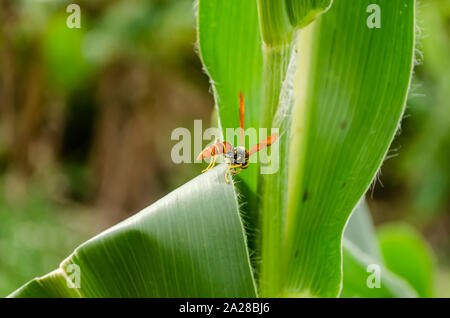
[[215, 149]]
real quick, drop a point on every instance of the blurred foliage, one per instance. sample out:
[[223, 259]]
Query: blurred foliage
[[31, 224], [86, 116], [92, 110], [425, 139], [60, 45], [415, 183]]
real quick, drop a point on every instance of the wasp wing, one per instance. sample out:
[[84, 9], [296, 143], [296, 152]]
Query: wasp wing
[[263, 144], [241, 116]]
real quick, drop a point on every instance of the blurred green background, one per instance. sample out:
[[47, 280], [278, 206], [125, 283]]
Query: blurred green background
[[86, 117]]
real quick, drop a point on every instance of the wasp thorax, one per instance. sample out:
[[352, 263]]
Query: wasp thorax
[[238, 155]]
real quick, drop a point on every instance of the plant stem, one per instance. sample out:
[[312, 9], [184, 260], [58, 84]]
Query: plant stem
[[272, 187]]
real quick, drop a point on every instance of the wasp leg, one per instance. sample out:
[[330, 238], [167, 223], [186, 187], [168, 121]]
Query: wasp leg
[[226, 173], [236, 171], [214, 162], [211, 164], [230, 166], [207, 168]]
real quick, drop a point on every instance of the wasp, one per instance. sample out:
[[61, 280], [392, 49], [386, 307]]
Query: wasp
[[236, 157]]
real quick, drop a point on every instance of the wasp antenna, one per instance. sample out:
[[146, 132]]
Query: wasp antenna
[[241, 116]]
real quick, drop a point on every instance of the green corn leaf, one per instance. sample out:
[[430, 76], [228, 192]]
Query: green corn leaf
[[352, 85], [253, 57], [302, 13], [347, 86], [397, 247], [230, 48], [274, 22], [350, 88], [52, 285], [362, 256], [407, 254], [188, 244], [360, 231], [278, 22], [278, 19], [358, 282]]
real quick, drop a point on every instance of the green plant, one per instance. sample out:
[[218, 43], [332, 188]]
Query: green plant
[[336, 89]]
